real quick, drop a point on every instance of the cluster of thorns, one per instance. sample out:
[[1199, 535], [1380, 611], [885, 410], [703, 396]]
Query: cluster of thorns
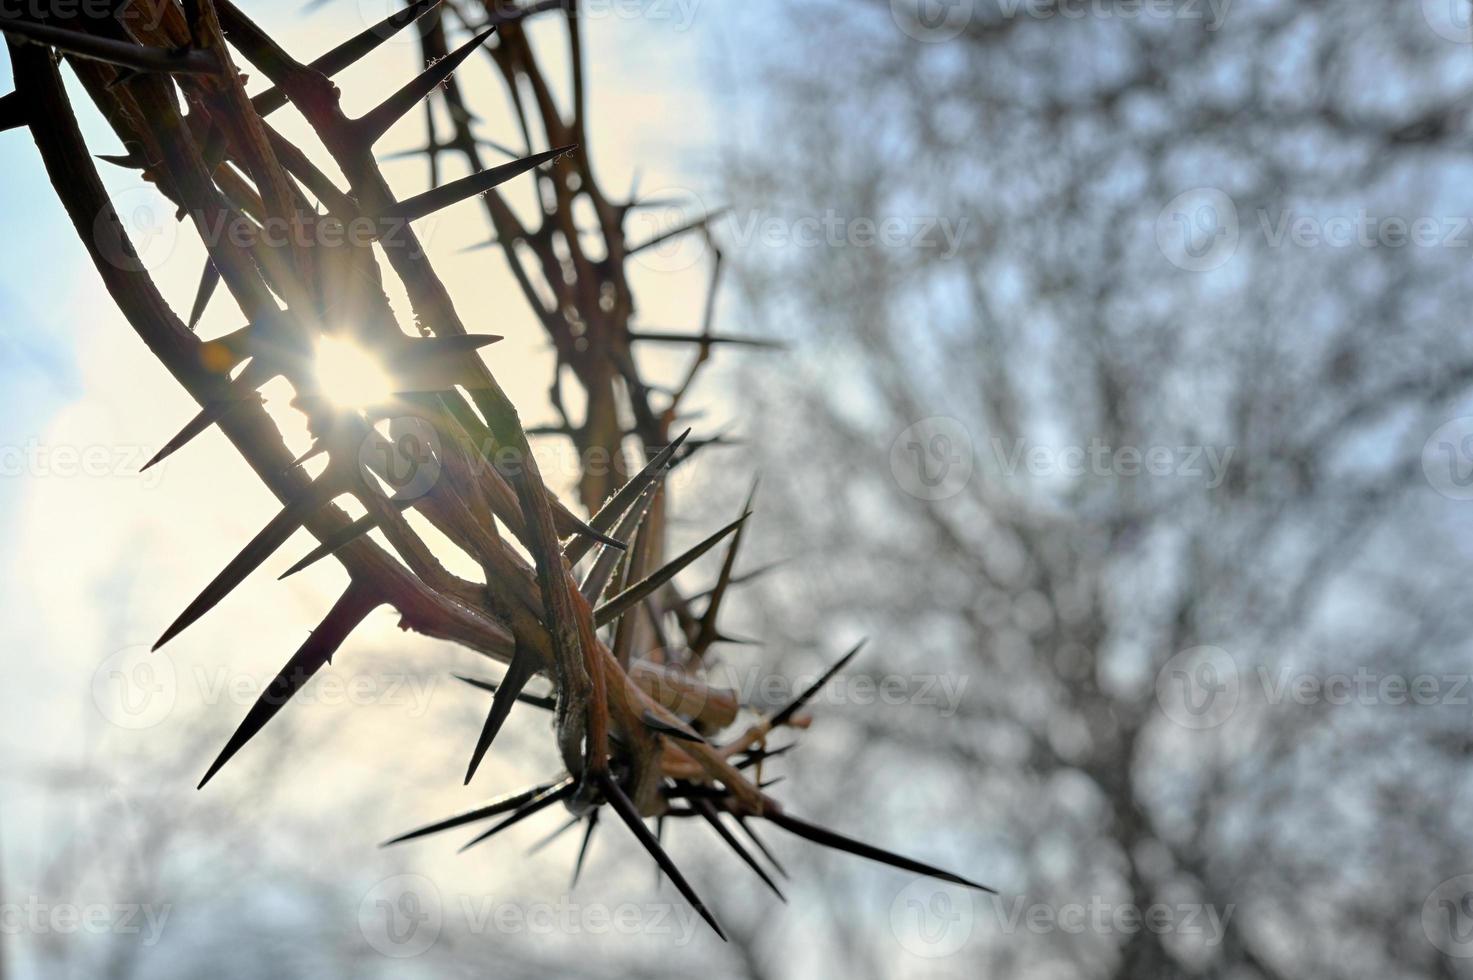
[[566, 598]]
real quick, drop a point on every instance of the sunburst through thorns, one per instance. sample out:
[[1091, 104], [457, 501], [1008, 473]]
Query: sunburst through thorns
[[589, 616]]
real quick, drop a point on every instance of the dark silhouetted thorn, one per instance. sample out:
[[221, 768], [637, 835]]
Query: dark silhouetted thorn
[[492, 809], [696, 445], [771, 858], [660, 839], [261, 547], [523, 665], [745, 641], [128, 161], [677, 231], [583, 848], [626, 811], [208, 280], [12, 112], [828, 838], [124, 53], [350, 51], [760, 755], [479, 246], [582, 528], [697, 338], [655, 723], [708, 634], [241, 388], [572, 822], [317, 448], [615, 506], [786, 714], [206, 417], [705, 809], [536, 700], [320, 645], [524, 811], [616, 606], [458, 190], [375, 123], [341, 538]]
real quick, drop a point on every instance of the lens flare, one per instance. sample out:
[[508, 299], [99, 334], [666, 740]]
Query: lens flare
[[349, 376]]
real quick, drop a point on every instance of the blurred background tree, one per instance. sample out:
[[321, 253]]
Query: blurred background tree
[[1189, 230]]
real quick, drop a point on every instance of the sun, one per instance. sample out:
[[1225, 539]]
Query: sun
[[349, 376]]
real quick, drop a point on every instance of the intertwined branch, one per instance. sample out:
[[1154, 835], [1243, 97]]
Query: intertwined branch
[[596, 609]]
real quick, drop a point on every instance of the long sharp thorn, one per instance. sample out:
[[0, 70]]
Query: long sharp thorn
[[207, 283], [524, 811], [360, 45], [583, 848], [615, 506], [706, 810], [786, 714], [492, 809], [427, 348], [708, 633], [620, 603], [734, 340], [684, 229], [240, 389], [124, 53], [13, 112], [341, 538], [458, 190], [572, 822], [759, 756], [350, 610], [535, 700], [376, 122], [206, 417], [608, 560], [261, 547], [828, 838], [658, 724], [350, 51], [626, 811], [771, 858], [523, 665]]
